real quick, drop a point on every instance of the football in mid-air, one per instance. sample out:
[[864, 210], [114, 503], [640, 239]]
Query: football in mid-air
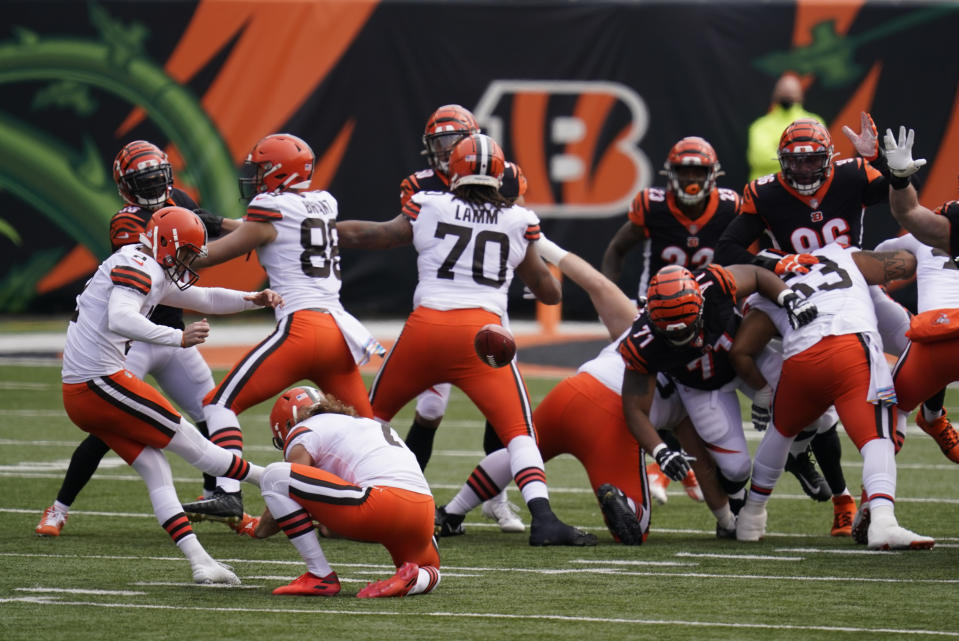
[[495, 345]]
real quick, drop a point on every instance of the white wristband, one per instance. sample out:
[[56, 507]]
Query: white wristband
[[658, 448], [549, 250], [782, 296]]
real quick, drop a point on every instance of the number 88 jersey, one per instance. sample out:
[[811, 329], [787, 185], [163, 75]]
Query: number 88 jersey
[[303, 261]]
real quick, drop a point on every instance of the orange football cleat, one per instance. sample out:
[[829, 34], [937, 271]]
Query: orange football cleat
[[311, 585], [691, 485], [51, 523], [943, 432], [844, 511], [397, 585]]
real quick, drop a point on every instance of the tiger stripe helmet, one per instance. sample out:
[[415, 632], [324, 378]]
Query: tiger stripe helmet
[[806, 155], [691, 186], [143, 174], [675, 304], [291, 408], [477, 160], [446, 127]]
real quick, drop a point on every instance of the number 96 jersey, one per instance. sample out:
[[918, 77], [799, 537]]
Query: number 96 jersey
[[467, 253], [305, 226]]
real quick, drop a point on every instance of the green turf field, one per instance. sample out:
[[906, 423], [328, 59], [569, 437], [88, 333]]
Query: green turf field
[[115, 574]]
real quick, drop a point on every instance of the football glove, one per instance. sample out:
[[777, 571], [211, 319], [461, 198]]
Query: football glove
[[762, 404], [799, 310], [768, 258], [867, 141], [795, 264], [212, 222], [899, 153], [675, 465]]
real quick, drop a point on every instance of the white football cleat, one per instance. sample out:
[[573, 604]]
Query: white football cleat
[[751, 522], [896, 537], [214, 573], [499, 509]]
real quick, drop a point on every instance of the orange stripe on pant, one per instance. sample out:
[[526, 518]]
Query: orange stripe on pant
[[400, 520], [437, 347], [123, 412], [834, 371], [583, 417], [308, 345], [924, 369]]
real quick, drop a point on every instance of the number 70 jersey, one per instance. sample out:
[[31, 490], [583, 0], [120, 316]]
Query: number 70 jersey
[[467, 253]]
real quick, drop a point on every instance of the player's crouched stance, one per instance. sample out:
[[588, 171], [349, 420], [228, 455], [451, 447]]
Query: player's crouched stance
[[130, 416], [356, 477]]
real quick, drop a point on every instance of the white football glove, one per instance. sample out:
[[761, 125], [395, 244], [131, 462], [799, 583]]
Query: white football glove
[[899, 153], [762, 404], [867, 141]]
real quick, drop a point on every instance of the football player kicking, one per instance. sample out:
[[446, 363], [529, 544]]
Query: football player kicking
[[836, 360], [469, 242], [356, 477], [292, 229], [144, 179], [678, 225], [130, 416]]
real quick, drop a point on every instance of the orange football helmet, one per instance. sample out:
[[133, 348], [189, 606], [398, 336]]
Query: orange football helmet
[[477, 160], [675, 304], [446, 127], [176, 237], [277, 163], [691, 170], [289, 409], [806, 155], [143, 174], [514, 182]]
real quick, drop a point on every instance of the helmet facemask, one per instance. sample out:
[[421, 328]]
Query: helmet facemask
[[806, 172], [438, 148], [690, 184], [147, 187]]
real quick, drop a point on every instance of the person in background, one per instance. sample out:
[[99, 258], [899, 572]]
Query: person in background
[[764, 132]]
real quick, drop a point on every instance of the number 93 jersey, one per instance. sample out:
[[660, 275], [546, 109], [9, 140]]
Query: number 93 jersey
[[467, 253], [303, 261], [841, 296]]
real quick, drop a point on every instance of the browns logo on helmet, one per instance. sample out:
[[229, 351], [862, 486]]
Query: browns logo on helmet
[[143, 174], [446, 127], [176, 237], [477, 160], [806, 155], [675, 304], [691, 170], [276, 163], [291, 408]]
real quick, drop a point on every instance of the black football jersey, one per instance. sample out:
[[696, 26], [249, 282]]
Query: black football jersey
[[704, 362], [799, 224], [125, 229], [429, 180], [672, 238]]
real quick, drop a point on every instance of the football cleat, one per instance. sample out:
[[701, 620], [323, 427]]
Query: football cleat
[[726, 533], [445, 524], [860, 523], [896, 537], [658, 482], [844, 512], [812, 482], [214, 573], [504, 513], [311, 585], [691, 485], [397, 585], [222, 506], [943, 432], [52, 522], [751, 522], [620, 518], [544, 532], [246, 526]]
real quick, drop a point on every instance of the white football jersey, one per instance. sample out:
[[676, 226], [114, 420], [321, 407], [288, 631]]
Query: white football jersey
[[303, 261], [361, 451], [608, 366], [467, 254], [937, 277], [841, 295], [91, 348]]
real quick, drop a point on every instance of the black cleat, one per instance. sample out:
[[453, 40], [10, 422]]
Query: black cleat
[[222, 506], [812, 482], [620, 518], [554, 532], [723, 533], [445, 524]]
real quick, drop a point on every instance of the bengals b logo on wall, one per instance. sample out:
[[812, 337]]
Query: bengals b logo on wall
[[577, 142]]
